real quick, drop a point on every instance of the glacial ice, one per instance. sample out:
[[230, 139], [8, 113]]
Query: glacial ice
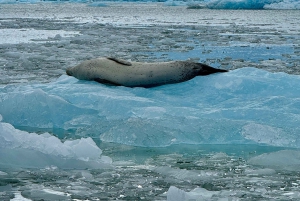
[[246, 105], [253, 4], [22, 149], [283, 4]]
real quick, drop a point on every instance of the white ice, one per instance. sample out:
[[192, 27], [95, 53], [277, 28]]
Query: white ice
[[15, 36], [280, 160], [198, 194], [22, 149]]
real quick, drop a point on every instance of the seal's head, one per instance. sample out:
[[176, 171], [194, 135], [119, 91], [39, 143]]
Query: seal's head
[[69, 71]]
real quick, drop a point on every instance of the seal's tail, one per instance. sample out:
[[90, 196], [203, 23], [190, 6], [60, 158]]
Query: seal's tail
[[206, 70]]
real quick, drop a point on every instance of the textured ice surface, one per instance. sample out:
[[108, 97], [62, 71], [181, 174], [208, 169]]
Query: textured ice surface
[[22, 149], [187, 170], [246, 105]]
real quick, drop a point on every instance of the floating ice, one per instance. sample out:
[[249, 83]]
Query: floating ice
[[253, 4], [280, 160], [16, 36], [285, 4], [239, 4], [247, 105], [19, 197], [174, 3], [20, 148], [98, 4], [176, 194]]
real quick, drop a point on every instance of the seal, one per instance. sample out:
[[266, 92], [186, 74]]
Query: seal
[[119, 72]]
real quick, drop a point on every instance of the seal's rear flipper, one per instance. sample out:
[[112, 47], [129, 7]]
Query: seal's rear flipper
[[206, 70]]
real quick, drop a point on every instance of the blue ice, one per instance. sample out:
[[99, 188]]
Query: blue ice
[[246, 105], [253, 4]]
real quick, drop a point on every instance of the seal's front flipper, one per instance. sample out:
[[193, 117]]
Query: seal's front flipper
[[106, 82], [120, 61]]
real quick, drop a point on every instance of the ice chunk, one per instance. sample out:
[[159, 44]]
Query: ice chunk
[[176, 194], [264, 171], [280, 160], [2, 173], [266, 134], [44, 193], [246, 105], [29, 35], [174, 3], [19, 197], [98, 4], [20, 148], [285, 4], [35, 108], [253, 4]]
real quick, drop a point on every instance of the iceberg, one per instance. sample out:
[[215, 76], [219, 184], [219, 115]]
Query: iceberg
[[246, 105], [22, 149], [285, 4], [239, 4]]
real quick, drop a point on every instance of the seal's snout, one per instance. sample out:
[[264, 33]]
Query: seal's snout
[[69, 72]]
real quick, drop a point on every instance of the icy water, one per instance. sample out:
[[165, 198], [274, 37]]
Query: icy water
[[232, 136]]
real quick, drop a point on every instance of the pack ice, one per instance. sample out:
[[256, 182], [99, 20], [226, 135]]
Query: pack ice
[[246, 105]]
